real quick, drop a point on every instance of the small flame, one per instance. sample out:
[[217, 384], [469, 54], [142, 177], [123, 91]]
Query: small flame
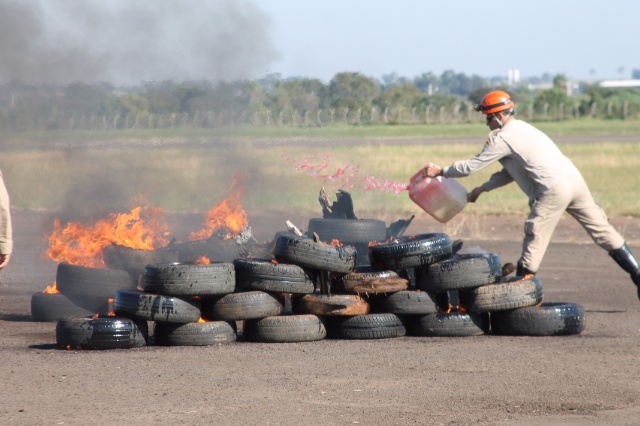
[[462, 309], [96, 316], [336, 243], [203, 260], [449, 308], [51, 289], [227, 214], [275, 262], [111, 313], [201, 320]]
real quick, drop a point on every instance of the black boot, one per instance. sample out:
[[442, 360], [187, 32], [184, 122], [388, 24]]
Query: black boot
[[625, 259], [521, 271]]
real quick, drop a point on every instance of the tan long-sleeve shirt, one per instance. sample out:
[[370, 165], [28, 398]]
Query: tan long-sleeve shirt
[[528, 157], [6, 235]]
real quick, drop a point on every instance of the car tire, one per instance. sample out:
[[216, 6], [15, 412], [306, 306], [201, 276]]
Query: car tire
[[548, 319], [103, 332], [410, 252]]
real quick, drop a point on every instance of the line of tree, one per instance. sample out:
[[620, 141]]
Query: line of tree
[[349, 98]]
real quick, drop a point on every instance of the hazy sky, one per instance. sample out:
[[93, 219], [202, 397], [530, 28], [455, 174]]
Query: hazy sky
[[128, 42], [580, 38]]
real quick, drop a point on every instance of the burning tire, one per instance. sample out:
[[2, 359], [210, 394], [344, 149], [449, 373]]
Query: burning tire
[[454, 324], [460, 271], [348, 230], [511, 294], [90, 288], [285, 329], [134, 260], [548, 319], [309, 254], [334, 305], [242, 306], [181, 279], [370, 326], [52, 307], [264, 275], [103, 332], [410, 252], [374, 282], [153, 307], [412, 303], [194, 334]]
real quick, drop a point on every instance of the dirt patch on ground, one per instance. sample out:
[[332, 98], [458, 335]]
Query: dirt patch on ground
[[591, 378]]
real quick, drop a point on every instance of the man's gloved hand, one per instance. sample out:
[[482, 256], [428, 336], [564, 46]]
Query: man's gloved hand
[[431, 170]]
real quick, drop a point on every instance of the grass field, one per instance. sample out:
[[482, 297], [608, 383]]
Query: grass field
[[194, 177]]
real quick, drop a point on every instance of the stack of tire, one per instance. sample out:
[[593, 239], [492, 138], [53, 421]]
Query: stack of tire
[[265, 283], [405, 290], [86, 323], [423, 312], [357, 233], [341, 314], [172, 297], [488, 302], [82, 291]]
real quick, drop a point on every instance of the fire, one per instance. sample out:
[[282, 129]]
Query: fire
[[203, 260], [51, 289], [82, 245], [111, 313], [227, 214], [201, 320], [275, 262], [336, 243]]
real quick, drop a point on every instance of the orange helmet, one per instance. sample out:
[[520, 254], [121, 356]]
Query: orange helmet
[[495, 101]]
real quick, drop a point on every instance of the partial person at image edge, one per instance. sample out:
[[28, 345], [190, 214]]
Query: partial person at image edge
[[550, 180], [6, 237]]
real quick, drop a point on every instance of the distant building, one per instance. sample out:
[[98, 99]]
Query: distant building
[[513, 76], [620, 83]]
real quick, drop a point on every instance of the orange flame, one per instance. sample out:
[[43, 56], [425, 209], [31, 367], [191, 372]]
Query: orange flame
[[111, 313], [336, 243], [51, 289], [201, 320], [228, 214], [203, 260], [82, 245]]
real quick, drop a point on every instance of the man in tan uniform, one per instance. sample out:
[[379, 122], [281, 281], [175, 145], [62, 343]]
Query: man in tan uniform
[[6, 239], [550, 180]]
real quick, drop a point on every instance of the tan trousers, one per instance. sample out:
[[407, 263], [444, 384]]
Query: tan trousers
[[574, 197]]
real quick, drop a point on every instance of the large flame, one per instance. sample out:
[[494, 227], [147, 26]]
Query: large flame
[[227, 214], [82, 245]]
